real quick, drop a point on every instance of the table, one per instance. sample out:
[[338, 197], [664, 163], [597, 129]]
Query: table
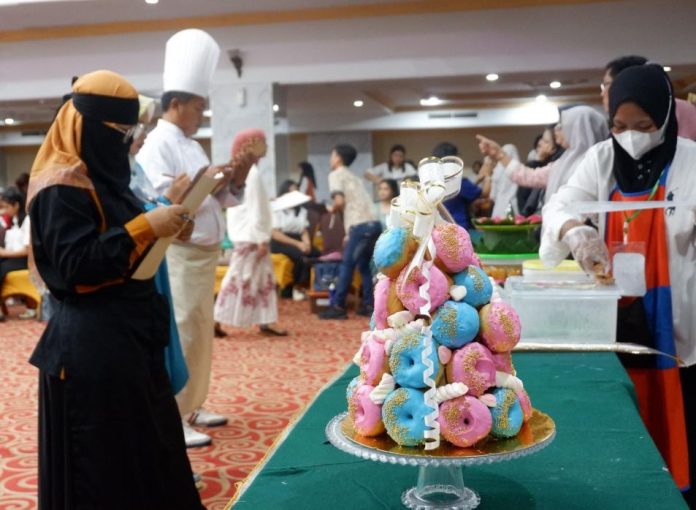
[[602, 458]]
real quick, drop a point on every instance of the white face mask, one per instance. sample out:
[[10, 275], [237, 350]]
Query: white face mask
[[638, 143]]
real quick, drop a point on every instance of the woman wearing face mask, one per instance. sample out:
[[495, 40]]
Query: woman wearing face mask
[[644, 161], [582, 127], [109, 430]]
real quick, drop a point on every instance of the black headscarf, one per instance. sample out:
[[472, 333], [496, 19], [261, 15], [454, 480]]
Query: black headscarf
[[649, 87], [105, 153]]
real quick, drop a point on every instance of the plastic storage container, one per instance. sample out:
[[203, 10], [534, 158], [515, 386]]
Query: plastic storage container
[[560, 312]]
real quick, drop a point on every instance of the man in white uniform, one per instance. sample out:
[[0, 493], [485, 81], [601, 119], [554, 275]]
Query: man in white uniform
[[190, 60]]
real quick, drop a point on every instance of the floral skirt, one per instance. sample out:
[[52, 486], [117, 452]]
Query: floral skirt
[[248, 292]]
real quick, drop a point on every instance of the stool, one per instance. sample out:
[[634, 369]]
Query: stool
[[18, 284]]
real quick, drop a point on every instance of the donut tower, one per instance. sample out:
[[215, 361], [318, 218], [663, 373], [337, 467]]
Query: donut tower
[[436, 363]]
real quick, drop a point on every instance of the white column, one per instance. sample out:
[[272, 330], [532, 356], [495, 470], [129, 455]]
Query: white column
[[237, 106]]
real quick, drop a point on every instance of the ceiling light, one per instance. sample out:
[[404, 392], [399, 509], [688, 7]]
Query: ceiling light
[[152, 2], [358, 103], [555, 84], [492, 77], [541, 98], [9, 121], [667, 69], [276, 108], [208, 113], [431, 101]]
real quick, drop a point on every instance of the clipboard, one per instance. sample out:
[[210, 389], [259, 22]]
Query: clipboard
[[205, 181]]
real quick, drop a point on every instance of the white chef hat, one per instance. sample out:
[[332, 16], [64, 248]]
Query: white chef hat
[[190, 59]]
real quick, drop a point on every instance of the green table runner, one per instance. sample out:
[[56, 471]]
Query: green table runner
[[602, 457]]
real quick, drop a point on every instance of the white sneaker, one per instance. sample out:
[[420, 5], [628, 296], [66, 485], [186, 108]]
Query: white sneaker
[[204, 418], [298, 295], [194, 438]]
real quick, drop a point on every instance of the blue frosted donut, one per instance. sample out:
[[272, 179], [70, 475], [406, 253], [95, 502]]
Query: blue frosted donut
[[478, 286], [455, 324], [403, 414], [394, 249], [352, 386], [406, 361], [507, 413]]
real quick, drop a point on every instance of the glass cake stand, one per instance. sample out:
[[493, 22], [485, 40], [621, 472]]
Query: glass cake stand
[[440, 481]]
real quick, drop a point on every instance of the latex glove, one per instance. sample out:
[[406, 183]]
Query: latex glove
[[167, 221], [588, 249], [177, 189]]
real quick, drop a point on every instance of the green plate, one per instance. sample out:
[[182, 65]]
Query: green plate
[[506, 228]]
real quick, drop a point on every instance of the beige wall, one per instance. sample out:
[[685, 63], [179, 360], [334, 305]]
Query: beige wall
[[17, 160], [419, 144]]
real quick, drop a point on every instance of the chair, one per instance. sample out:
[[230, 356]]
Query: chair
[[18, 284], [282, 269]]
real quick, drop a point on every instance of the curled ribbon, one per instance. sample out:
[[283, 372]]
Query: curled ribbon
[[417, 209]]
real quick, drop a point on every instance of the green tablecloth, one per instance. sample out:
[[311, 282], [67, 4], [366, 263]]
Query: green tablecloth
[[602, 457]]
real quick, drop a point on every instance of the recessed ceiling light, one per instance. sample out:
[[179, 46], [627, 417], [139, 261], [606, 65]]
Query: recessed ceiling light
[[431, 101], [358, 103], [492, 77], [9, 121], [208, 113], [555, 84], [667, 69], [541, 98], [152, 2], [276, 108]]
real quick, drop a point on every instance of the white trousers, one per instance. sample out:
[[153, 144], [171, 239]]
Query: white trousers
[[192, 278]]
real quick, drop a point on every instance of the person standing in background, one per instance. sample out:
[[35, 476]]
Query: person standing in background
[[459, 205], [396, 167], [169, 151], [387, 190], [248, 292], [22, 183], [362, 230]]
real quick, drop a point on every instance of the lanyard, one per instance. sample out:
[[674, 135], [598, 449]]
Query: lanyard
[[629, 218]]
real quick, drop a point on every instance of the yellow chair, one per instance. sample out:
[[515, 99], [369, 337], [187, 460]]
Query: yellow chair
[[220, 272], [282, 268], [18, 284]]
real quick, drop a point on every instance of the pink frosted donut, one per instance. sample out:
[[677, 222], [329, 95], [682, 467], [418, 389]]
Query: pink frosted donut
[[503, 362], [408, 287], [500, 326], [381, 303], [473, 365], [525, 404], [453, 249], [464, 421], [373, 361], [366, 415]]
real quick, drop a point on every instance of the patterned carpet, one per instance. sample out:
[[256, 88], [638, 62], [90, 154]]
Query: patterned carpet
[[261, 383]]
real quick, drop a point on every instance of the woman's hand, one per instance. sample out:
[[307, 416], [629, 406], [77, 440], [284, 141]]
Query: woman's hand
[[303, 247], [167, 221], [261, 250], [176, 191], [588, 249]]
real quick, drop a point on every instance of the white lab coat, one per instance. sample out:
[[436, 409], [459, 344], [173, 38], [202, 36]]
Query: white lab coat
[[593, 180], [167, 151]]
